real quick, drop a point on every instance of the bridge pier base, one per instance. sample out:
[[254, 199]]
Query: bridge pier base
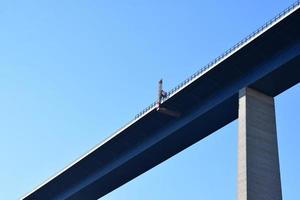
[[258, 160]]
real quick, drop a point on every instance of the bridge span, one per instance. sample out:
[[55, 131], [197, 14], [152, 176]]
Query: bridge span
[[240, 84]]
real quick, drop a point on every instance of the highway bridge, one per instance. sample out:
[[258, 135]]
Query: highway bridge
[[240, 84]]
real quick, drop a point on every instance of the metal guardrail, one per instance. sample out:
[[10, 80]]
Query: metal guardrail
[[216, 60]]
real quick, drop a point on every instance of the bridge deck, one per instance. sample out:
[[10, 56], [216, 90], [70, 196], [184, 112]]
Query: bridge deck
[[268, 60]]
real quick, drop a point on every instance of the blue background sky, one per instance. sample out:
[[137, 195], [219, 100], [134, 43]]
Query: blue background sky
[[72, 72]]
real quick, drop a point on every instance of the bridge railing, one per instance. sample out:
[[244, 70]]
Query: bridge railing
[[220, 58]]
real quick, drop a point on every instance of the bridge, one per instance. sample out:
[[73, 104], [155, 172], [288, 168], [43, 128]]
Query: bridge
[[240, 84]]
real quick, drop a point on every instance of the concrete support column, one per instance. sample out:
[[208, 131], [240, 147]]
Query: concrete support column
[[258, 161]]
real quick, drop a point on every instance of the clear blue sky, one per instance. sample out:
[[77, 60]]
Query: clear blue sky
[[72, 72]]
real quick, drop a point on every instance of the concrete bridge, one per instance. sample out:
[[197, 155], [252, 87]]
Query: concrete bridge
[[240, 84]]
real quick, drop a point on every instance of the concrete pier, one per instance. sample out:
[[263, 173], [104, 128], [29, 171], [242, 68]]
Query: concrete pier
[[258, 161]]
